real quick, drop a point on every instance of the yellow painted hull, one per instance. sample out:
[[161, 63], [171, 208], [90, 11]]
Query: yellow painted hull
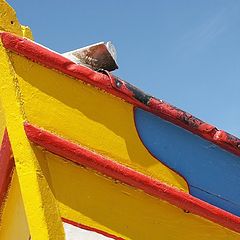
[[51, 197], [104, 124]]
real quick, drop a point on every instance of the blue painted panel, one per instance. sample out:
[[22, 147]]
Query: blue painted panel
[[212, 173]]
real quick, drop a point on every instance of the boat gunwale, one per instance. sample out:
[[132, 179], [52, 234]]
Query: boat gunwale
[[120, 88]]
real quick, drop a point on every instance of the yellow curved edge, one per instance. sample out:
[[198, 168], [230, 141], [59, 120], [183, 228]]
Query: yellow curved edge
[[10, 23], [87, 116], [27, 32], [14, 224], [86, 197]]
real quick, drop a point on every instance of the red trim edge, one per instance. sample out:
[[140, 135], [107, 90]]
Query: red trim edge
[[79, 225], [110, 168], [122, 89], [6, 167]]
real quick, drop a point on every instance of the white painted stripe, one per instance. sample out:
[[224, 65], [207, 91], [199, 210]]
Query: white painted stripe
[[75, 233]]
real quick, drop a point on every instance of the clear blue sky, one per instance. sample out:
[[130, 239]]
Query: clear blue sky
[[184, 52]]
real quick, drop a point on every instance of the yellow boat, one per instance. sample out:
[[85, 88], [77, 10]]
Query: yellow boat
[[86, 155]]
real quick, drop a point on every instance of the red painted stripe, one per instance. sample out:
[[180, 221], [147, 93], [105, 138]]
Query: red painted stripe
[[79, 225], [50, 59], [87, 158], [6, 167], [107, 82]]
